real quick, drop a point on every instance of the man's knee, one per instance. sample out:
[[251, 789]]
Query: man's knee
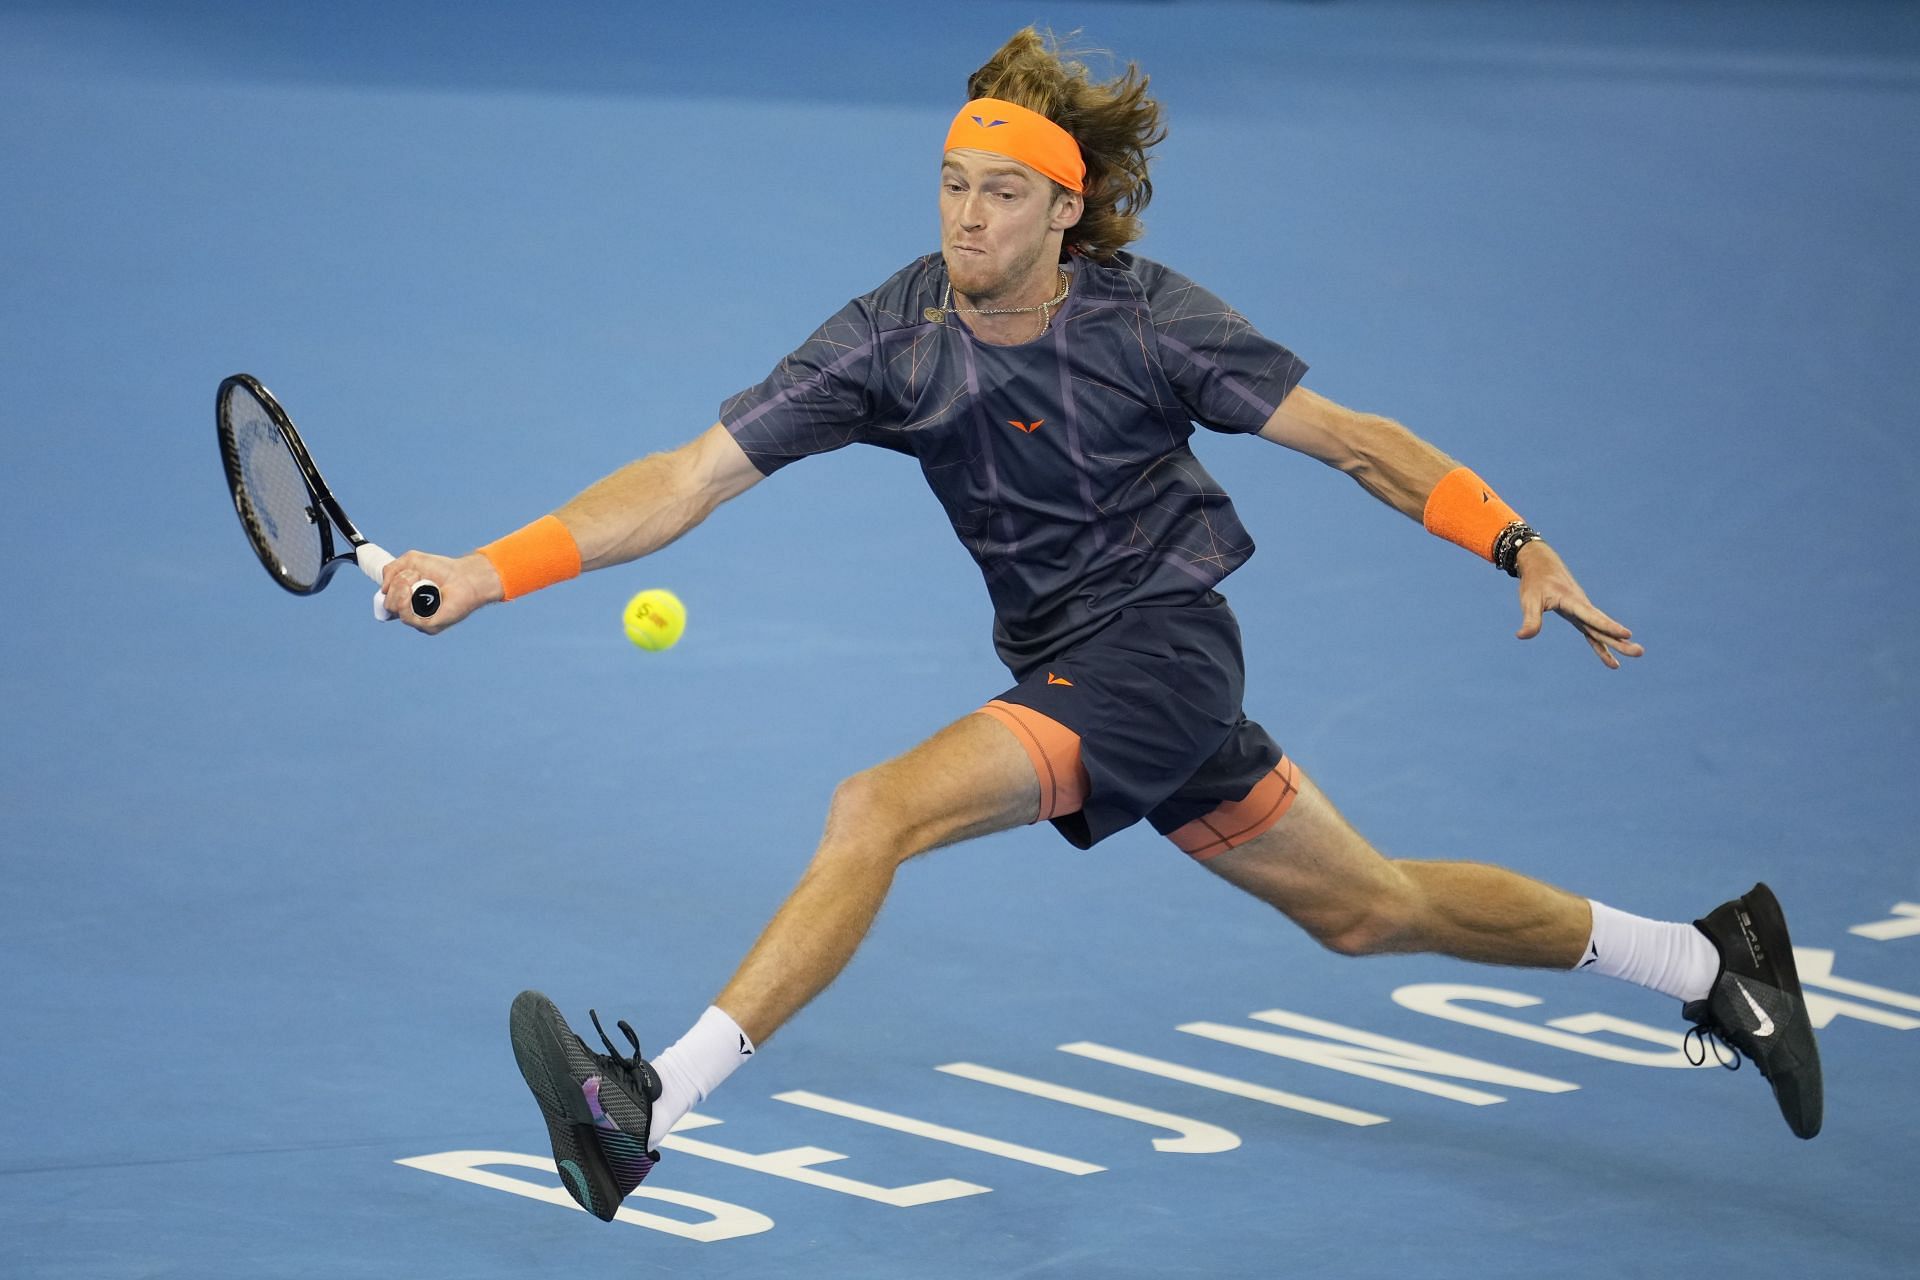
[[1378, 923], [1320, 873], [1368, 930], [869, 818], [971, 779]]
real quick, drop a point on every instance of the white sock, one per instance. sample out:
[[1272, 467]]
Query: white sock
[[1675, 959], [695, 1066]]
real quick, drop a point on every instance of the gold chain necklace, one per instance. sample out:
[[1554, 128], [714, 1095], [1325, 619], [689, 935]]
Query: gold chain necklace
[[938, 315]]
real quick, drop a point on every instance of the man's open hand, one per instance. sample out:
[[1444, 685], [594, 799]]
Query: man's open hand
[[1546, 584]]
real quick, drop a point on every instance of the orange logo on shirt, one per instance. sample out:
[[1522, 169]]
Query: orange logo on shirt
[[1054, 679], [1028, 427]]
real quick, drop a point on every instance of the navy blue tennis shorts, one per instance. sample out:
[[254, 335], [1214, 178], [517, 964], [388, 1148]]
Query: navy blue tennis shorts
[[1143, 720]]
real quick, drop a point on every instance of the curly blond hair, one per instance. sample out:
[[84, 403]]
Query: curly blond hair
[[1114, 121]]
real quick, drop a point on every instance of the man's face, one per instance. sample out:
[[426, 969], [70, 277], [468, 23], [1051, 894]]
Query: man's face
[[998, 219]]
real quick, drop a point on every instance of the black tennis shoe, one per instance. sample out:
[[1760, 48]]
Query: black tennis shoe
[[598, 1106], [1755, 1005]]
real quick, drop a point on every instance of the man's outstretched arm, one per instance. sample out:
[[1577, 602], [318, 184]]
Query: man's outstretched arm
[[1402, 470], [631, 513]]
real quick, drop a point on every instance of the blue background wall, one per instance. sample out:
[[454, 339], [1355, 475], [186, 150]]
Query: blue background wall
[[272, 874]]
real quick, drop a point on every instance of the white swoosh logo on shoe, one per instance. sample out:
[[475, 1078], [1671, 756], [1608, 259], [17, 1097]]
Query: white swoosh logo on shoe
[[1765, 1028]]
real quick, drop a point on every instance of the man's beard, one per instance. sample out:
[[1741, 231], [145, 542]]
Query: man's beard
[[996, 291]]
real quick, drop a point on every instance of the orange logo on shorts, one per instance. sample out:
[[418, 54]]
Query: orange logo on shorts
[[1054, 679], [1028, 427]]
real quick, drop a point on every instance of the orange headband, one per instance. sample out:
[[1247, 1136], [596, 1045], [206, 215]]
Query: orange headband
[[1009, 129]]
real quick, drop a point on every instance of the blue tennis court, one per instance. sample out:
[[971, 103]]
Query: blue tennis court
[[272, 873]]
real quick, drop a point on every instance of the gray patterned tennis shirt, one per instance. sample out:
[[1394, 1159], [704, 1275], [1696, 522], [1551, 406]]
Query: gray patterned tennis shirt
[[1063, 462]]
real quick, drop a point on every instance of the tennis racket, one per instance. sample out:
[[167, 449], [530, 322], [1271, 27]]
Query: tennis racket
[[284, 505]]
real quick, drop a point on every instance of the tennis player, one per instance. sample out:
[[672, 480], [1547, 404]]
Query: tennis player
[[1048, 383]]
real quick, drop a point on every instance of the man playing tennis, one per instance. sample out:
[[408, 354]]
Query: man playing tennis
[[1048, 383]]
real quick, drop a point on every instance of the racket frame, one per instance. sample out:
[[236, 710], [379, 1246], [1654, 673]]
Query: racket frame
[[324, 510]]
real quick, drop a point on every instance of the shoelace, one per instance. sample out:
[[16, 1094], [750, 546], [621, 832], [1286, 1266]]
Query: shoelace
[[629, 1063], [1694, 1045]]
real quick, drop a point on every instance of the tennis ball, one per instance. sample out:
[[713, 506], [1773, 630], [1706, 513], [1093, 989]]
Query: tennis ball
[[654, 619]]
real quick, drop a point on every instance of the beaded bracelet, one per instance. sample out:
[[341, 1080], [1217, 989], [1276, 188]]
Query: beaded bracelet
[[1506, 548]]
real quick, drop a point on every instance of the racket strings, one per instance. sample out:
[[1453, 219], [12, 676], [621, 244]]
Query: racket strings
[[275, 503]]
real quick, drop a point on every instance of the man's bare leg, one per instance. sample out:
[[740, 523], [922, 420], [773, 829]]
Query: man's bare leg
[[604, 1110], [970, 779], [1732, 971], [1322, 874]]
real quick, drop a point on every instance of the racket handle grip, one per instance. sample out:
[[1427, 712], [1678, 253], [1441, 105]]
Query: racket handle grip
[[373, 559]]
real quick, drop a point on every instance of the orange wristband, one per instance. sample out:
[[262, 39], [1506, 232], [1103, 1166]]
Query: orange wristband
[[1464, 511], [537, 556]]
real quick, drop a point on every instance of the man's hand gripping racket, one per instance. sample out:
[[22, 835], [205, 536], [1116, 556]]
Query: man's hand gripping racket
[[285, 506]]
